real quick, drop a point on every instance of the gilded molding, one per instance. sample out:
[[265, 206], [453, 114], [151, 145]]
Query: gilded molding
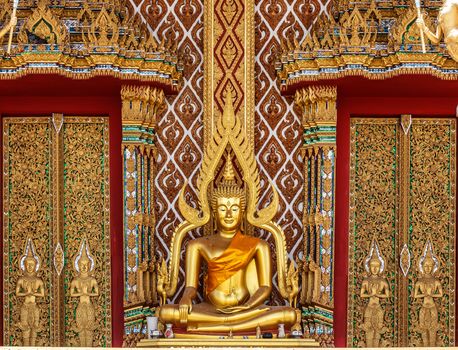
[[397, 198], [101, 41], [368, 40]]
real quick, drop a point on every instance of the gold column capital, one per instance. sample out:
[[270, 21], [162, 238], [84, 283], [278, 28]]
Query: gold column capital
[[140, 107], [318, 105]]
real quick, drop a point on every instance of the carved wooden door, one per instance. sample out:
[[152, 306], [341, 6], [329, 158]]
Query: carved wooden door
[[401, 278], [56, 235]]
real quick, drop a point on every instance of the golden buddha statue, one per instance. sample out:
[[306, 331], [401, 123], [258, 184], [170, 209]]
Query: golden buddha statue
[[8, 27], [239, 269], [29, 286], [374, 287], [84, 286], [428, 287], [447, 27]]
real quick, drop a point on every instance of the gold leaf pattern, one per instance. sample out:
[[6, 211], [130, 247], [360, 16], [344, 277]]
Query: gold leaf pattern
[[27, 209], [86, 203]]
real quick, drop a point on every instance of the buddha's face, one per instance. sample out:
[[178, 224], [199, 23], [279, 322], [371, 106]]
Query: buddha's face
[[30, 265], [428, 265], [374, 266], [228, 213]]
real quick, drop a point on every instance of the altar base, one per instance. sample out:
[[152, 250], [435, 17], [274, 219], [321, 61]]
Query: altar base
[[228, 343]]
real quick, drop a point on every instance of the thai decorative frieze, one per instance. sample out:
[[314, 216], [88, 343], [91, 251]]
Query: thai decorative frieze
[[140, 108], [319, 118], [373, 39], [51, 200], [402, 193], [229, 62], [86, 39]]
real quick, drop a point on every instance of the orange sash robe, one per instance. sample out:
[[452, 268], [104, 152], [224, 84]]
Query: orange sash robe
[[236, 257]]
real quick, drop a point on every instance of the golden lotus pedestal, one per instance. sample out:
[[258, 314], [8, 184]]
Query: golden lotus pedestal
[[235, 342]]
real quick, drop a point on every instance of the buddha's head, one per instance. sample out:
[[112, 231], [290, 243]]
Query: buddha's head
[[228, 202], [374, 266]]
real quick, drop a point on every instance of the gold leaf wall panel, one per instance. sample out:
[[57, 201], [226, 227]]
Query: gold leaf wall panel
[[373, 215], [432, 215], [86, 215], [402, 194], [27, 212], [56, 192]]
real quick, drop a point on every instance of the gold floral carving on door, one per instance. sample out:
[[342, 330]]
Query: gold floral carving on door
[[401, 274], [56, 233]]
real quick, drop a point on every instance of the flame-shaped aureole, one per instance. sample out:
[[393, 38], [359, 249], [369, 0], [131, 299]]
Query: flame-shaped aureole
[[228, 132]]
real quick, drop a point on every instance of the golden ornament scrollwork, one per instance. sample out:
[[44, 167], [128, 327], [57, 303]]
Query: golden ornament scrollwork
[[38, 188], [377, 40], [27, 193], [402, 189], [84, 286], [103, 34], [229, 65], [432, 194], [31, 287], [373, 193], [87, 174]]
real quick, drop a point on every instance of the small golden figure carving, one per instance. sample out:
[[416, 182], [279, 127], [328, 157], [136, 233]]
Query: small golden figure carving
[[428, 287], [84, 286], [374, 287], [8, 27], [447, 27], [239, 267], [30, 286]]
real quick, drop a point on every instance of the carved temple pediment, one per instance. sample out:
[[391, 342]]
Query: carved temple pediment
[[83, 39], [373, 39]]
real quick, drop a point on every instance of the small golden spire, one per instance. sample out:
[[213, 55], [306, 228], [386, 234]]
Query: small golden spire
[[228, 175], [228, 112]]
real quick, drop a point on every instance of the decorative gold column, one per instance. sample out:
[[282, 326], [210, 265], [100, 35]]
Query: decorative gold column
[[140, 106], [319, 118], [229, 62]]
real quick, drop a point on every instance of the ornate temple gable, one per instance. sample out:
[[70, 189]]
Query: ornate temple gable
[[82, 39], [375, 39]]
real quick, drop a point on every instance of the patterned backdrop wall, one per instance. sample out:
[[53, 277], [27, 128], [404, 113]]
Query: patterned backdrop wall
[[278, 129]]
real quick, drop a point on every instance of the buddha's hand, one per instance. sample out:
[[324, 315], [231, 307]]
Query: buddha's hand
[[239, 308], [185, 308]]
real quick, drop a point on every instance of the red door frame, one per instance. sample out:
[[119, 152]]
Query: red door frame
[[43, 95], [421, 96]]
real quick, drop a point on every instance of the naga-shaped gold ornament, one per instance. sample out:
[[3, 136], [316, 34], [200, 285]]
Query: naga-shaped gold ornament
[[29, 286]]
